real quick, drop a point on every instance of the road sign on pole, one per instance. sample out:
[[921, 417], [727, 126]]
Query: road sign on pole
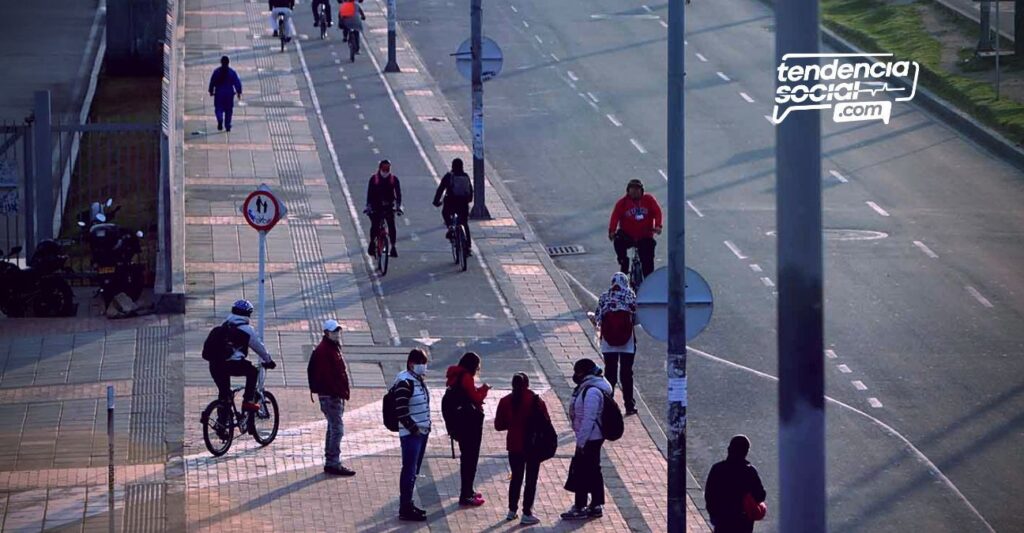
[[652, 304], [491, 59], [262, 210]]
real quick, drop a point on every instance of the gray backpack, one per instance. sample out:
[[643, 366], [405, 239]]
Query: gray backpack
[[461, 187]]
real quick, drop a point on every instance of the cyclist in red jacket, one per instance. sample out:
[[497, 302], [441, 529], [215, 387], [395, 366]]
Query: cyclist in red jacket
[[635, 220]]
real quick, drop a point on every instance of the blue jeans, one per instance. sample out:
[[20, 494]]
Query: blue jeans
[[333, 409], [414, 447]]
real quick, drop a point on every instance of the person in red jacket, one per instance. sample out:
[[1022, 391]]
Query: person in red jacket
[[513, 415], [328, 378], [463, 375], [635, 220]]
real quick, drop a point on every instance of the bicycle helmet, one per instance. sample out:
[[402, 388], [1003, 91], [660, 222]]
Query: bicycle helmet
[[635, 183], [242, 308]]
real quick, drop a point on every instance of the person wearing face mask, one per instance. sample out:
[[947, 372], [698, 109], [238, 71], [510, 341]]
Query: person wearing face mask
[[462, 377], [328, 379], [412, 407], [585, 477], [634, 222], [383, 200]]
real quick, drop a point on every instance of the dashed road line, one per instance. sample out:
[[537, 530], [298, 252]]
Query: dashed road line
[[526, 24], [553, 56], [844, 369], [663, 23], [735, 250], [647, 8], [927, 251], [695, 210], [572, 75], [877, 209], [639, 147], [663, 174], [613, 120], [369, 138], [746, 97], [539, 40], [873, 402], [701, 57], [723, 76], [831, 354], [859, 385], [978, 296], [767, 281], [362, 116], [594, 98], [513, 8], [838, 176], [756, 267]]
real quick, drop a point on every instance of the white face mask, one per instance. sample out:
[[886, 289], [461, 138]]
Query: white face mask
[[384, 174], [420, 370]]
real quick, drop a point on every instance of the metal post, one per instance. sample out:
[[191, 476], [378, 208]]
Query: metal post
[[985, 36], [392, 65], [44, 167], [28, 192], [800, 273], [1018, 28], [262, 289], [998, 38], [479, 206], [110, 456], [676, 356]]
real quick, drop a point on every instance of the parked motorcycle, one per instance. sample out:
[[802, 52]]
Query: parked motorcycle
[[113, 250], [38, 289]]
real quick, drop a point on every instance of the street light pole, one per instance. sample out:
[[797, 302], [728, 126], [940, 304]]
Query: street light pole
[[800, 275], [676, 357], [479, 206], [392, 65]]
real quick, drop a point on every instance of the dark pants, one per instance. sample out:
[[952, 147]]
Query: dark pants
[[376, 218], [222, 372], [613, 361], [588, 460], [520, 465], [741, 525], [469, 456], [223, 114], [327, 11], [645, 247], [414, 447], [449, 211]]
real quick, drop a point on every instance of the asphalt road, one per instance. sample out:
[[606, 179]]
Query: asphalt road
[[923, 319]]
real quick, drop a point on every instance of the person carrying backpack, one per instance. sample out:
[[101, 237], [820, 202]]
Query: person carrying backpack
[[383, 200], [328, 379], [457, 188], [585, 410], [412, 409], [614, 318], [520, 413], [733, 493], [462, 382], [226, 348]]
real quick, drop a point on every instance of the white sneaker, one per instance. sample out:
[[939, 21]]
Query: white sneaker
[[512, 515], [529, 520]]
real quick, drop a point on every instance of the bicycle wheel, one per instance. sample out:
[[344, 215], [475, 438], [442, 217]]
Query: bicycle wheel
[[384, 257], [216, 434], [353, 42], [460, 238], [264, 423], [455, 247], [280, 32], [636, 273]]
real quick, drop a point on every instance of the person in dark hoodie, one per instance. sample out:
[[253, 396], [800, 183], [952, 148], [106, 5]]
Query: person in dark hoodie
[[224, 85], [383, 201], [728, 484], [328, 379], [457, 189], [514, 414], [463, 376]]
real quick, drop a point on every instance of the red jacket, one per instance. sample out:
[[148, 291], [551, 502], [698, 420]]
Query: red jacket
[[514, 418], [637, 218], [457, 374], [329, 373]]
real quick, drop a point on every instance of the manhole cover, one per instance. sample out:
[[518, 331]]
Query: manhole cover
[[846, 234], [571, 249]]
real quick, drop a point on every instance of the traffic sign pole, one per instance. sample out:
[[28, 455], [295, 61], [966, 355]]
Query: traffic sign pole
[[392, 65], [262, 288], [479, 201], [262, 210]]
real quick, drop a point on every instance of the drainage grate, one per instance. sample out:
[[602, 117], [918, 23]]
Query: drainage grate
[[571, 249]]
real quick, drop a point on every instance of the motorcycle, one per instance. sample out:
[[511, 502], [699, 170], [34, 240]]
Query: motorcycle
[[39, 288], [113, 250]]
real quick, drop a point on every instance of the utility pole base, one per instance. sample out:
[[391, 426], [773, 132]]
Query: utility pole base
[[392, 67], [480, 212]]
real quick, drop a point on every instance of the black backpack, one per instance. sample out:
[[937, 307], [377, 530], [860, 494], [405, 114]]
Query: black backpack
[[222, 342], [458, 412], [389, 411], [611, 422], [541, 438]]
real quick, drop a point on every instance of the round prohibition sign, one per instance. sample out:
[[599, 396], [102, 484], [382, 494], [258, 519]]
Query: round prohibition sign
[[261, 210]]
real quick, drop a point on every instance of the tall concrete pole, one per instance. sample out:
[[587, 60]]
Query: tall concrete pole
[[676, 358], [392, 65], [800, 274], [479, 206]]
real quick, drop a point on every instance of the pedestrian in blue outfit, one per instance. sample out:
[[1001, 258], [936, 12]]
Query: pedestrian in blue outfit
[[224, 85]]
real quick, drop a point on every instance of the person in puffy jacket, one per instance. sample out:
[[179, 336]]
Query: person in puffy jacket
[[463, 376], [635, 220], [585, 477], [328, 379], [514, 414]]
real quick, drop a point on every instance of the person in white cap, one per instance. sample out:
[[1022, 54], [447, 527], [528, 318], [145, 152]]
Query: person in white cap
[[328, 378]]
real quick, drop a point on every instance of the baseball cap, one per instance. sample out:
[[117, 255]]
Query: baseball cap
[[331, 325]]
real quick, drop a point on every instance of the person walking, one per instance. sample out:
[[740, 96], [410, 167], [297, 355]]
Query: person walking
[[328, 379], [456, 188], [733, 493], [585, 477], [614, 318], [224, 85], [462, 378], [412, 407], [515, 413]]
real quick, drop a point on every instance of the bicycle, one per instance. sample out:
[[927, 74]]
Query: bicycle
[[382, 250], [636, 269], [281, 30], [322, 20], [460, 244], [353, 45], [220, 420]]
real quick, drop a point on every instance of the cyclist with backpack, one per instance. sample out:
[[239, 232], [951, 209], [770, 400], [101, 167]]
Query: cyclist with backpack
[[226, 348], [383, 200], [589, 408], [531, 440], [467, 423], [350, 20], [457, 189], [614, 318]]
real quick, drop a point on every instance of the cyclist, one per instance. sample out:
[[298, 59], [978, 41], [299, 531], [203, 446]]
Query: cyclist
[[243, 337], [316, 12], [351, 17], [383, 200], [457, 188], [282, 7], [635, 220]]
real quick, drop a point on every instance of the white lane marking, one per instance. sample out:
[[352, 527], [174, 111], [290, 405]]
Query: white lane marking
[[844, 369], [873, 402], [513, 8], [352, 96], [769, 119], [553, 56], [859, 385], [526, 24], [376, 151], [613, 120], [337, 61], [405, 220], [746, 97], [369, 138], [647, 8], [357, 106], [572, 75], [413, 236], [695, 210], [571, 84], [348, 86], [877, 209], [756, 267], [594, 98], [701, 57], [838, 176], [927, 251], [333, 53], [735, 250], [663, 174], [723, 76], [977, 296], [639, 147], [353, 213], [539, 40], [767, 281], [362, 116], [366, 127], [831, 354], [663, 23]]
